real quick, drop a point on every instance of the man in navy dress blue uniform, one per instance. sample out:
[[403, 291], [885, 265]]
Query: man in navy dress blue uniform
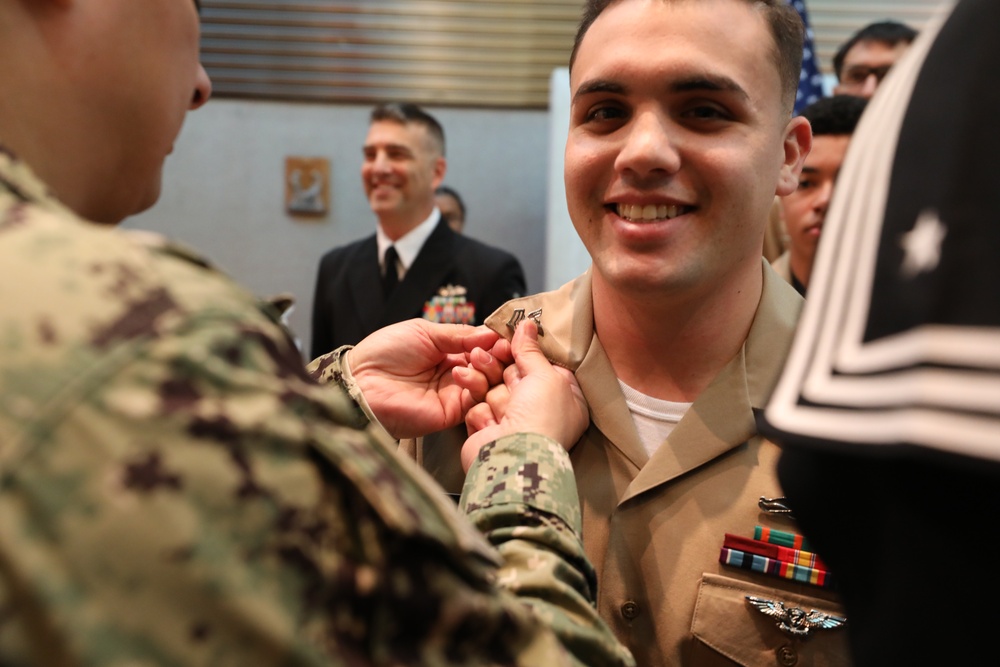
[[431, 271]]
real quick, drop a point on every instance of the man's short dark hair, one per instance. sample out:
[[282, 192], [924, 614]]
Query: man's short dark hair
[[889, 33], [835, 115], [784, 22], [450, 192], [405, 113]]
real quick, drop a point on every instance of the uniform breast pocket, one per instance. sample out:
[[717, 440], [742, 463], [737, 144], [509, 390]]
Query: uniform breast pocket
[[740, 623]]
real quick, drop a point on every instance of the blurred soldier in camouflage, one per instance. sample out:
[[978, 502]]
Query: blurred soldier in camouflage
[[175, 488]]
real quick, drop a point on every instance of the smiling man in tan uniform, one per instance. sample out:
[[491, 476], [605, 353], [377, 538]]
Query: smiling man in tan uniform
[[680, 137]]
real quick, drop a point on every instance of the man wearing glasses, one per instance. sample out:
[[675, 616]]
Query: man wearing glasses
[[862, 61]]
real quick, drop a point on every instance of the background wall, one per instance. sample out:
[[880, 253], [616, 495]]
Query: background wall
[[223, 190], [224, 184]]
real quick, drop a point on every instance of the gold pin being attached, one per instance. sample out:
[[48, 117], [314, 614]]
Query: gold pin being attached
[[519, 316]]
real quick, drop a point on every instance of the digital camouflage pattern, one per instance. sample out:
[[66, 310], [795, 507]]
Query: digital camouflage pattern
[[175, 489]]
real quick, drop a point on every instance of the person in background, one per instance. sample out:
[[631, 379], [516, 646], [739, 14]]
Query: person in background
[[175, 487], [888, 409], [414, 265], [451, 206], [832, 120], [863, 60]]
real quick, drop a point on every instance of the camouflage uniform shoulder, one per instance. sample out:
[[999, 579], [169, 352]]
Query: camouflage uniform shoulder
[[99, 295], [157, 430], [419, 504], [105, 294]]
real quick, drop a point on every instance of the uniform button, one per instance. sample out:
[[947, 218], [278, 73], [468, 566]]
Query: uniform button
[[787, 656], [630, 610]]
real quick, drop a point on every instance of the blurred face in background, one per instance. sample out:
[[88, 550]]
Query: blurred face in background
[[805, 209], [865, 65], [402, 167], [451, 211]]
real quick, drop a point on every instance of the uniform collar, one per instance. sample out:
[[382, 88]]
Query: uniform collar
[[407, 246], [567, 320], [722, 416], [17, 178]]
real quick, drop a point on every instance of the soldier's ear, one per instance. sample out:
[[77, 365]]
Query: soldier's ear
[[797, 144]]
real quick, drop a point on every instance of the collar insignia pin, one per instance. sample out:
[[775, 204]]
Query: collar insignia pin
[[519, 316]]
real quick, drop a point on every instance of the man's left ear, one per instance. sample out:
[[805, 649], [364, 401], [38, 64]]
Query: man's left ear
[[797, 144]]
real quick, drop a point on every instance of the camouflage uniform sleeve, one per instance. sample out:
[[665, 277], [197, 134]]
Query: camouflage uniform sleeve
[[175, 489], [197, 501], [521, 493], [332, 368]]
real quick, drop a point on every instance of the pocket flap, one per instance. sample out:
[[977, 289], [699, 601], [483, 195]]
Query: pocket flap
[[727, 623]]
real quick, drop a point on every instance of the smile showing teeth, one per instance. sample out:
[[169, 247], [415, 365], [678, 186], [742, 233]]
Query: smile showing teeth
[[650, 212]]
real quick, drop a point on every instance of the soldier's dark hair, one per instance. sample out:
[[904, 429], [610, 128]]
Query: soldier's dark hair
[[782, 19], [450, 192], [835, 115], [405, 113], [889, 33]]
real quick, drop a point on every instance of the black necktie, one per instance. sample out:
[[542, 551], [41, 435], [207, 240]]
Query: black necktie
[[391, 277]]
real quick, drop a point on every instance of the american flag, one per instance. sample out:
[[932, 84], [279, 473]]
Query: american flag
[[810, 79]]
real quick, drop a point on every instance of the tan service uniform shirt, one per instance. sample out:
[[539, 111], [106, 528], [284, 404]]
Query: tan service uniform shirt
[[654, 527], [782, 266]]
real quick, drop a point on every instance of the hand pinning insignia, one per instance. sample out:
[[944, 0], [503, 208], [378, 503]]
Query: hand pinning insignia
[[796, 621]]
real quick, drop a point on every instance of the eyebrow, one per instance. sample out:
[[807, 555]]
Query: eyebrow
[[599, 86], [709, 82], [389, 147], [691, 84]]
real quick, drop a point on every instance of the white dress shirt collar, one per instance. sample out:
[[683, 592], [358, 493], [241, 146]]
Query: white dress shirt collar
[[407, 246]]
